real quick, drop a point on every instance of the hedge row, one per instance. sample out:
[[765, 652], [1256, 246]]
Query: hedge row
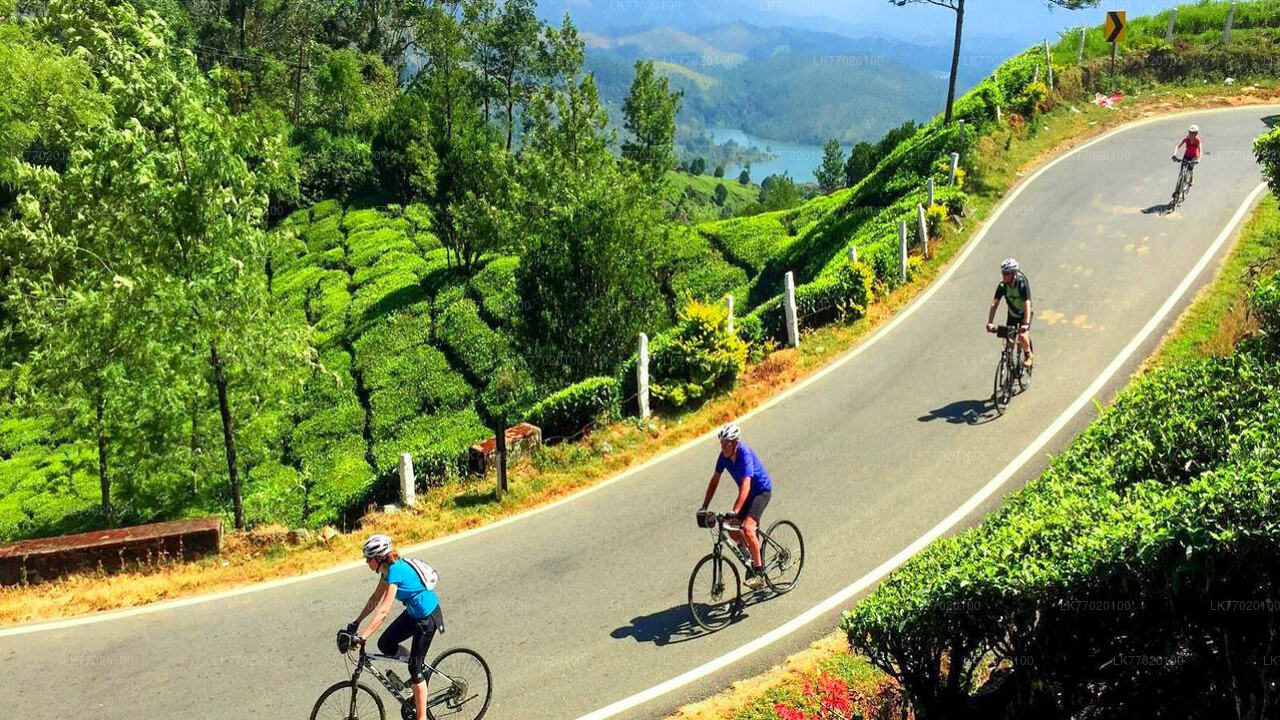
[[494, 288], [438, 444], [469, 340], [577, 408], [1167, 504]]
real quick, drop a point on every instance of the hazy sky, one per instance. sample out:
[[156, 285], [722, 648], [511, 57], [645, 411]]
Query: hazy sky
[[1025, 21]]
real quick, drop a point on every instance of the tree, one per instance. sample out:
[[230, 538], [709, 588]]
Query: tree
[[402, 149], [698, 166], [862, 160], [830, 173], [587, 278], [957, 6], [719, 171], [721, 194], [649, 113], [744, 177], [186, 286], [516, 44], [778, 192]]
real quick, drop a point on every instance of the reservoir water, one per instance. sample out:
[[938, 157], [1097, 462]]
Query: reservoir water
[[797, 160]]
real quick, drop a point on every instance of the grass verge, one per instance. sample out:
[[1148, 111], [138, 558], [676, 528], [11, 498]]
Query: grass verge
[[1004, 156]]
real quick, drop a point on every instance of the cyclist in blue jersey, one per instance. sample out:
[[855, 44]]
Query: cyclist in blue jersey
[[754, 490], [410, 582]]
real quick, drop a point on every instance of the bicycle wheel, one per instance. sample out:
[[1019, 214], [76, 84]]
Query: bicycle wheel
[[783, 556], [1003, 384], [715, 592], [348, 701], [459, 687]]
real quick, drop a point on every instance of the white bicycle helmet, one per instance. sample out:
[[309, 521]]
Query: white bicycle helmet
[[729, 432], [1009, 265], [1194, 129], [377, 547]]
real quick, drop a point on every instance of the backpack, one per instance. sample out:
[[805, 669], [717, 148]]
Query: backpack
[[426, 573]]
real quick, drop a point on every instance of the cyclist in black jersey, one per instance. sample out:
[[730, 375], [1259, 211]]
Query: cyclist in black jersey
[[1015, 290]]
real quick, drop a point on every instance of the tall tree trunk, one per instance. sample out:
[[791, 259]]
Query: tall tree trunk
[[511, 109], [228, 433], [104, 480], [955, 61]]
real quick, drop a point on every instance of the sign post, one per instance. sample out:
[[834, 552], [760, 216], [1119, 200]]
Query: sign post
[[1114, 34]]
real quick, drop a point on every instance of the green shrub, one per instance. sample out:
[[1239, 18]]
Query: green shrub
[[494, 288], [706, 280], [356, 219], [342, 479], [367, 246], [325, 209], [696, 357], [324, 234], [419, 215], [1032, 99], [577, 408], [751, 332], [469, 340], [934, 217], [274, 493], [843, 294], [438, 444], [1266, 148], [1266, 303], [1170, 498]]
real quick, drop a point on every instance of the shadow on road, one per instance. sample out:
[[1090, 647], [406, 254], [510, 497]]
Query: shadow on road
[[963, 412], [1160, 209], [676, 624], [665, 627]]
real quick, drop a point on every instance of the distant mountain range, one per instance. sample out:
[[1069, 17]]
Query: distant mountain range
[[783, 83]]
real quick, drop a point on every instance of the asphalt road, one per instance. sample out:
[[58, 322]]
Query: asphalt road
[[582, 605]]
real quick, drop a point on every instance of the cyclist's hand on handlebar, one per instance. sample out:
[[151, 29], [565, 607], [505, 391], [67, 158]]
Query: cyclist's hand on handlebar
[[353, 627], [991, 327]]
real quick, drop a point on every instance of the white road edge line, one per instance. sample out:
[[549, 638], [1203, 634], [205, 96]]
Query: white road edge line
[[951, 520], [837, 363]]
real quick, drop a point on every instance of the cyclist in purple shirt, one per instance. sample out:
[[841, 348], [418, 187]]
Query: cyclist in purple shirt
[[754, 489]]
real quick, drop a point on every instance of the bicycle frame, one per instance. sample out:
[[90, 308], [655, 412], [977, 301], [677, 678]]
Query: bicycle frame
[[721, 532], [366, 663]]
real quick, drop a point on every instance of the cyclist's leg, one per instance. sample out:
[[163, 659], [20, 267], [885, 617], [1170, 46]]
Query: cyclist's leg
[[400, 629], [750, 517], [424, 631], [1016, 322]]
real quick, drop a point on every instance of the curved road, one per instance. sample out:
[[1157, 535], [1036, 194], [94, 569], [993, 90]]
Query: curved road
[[582, 605]]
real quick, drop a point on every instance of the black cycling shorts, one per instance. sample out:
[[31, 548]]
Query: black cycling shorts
[[422, 631], [754, 507], [1015, 321]]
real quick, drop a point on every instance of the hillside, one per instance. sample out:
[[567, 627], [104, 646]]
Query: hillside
[[784, 84]]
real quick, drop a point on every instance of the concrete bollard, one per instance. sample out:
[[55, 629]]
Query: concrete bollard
[[642, 376], [853, 253], [1168, 33], [924, 230], [955, 164], [729, 300], [793, 324], [408, 483], [999, 117], [930, 185], [902, 247], [1080, 50], [1035, 76], [1048, 62], [1231, 17]]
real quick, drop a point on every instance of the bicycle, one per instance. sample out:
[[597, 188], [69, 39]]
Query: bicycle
[[715, 586], [463, 690], [1184, 182], [1011, 368]]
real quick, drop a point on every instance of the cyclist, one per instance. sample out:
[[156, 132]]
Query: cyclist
[[1192, 155], [754, 490], [407, 581], [1016, 291]]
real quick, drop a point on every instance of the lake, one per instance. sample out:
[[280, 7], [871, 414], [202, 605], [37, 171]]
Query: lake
[[797, 160]]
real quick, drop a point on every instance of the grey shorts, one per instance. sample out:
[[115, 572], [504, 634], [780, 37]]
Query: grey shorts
[[754, 507]]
